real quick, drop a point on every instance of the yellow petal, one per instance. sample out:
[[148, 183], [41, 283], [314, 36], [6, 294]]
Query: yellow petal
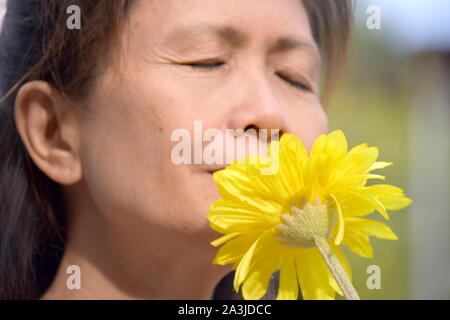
[[287, 180], [327, 152], [229, 216], [290, 171], [395, 203], [296, 155], [373, 201], [359, 244], [380, 165], [391, 197], [351, 170], [224, 239], [255, 286], [265, 246], [236, 186], [233, 182], [331, 144], [288, 287], [313, 275], [317, 171], [295, 144], [354, 206], [370, 228], [340, 222], [243, 266], [375, 176], [252, 165], [233, 250]]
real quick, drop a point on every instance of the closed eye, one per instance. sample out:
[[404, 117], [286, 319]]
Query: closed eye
[[205, 65], [296, 84], [214, 65]]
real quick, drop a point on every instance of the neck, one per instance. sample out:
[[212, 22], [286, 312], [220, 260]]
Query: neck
[[132, 261]]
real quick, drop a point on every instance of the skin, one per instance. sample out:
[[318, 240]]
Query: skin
[[137, 222]]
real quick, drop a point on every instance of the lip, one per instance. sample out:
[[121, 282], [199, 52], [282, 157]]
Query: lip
[[212, 169]]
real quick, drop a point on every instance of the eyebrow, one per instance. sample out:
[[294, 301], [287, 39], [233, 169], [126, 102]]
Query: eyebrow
[[237, 39]]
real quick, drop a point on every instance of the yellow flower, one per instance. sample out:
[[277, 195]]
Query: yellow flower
[[270, 222]]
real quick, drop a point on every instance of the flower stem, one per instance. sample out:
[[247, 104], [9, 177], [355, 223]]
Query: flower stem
[[336, 269]]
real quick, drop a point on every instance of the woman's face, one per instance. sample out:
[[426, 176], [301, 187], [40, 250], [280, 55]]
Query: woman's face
[[260, 69]]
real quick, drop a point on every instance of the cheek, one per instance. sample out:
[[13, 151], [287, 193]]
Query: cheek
[[117, 166], [129, 176], [126, 155]]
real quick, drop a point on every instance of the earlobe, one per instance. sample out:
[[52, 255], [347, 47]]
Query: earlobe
[[49, 128]]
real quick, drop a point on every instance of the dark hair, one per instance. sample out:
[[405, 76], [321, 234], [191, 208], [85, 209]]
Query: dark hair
[[36, 45]]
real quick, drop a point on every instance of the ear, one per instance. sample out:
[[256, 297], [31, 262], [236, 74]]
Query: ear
[[49, 127]]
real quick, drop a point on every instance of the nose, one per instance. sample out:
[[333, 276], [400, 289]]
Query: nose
[[256, 108]]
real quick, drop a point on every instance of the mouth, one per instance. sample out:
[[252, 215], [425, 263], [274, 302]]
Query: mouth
[[212, 169]]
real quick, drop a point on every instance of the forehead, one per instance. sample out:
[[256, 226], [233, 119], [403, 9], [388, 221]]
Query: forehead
[[238, 21], [234, 36]]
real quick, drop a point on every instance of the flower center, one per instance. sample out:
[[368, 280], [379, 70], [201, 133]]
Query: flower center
[[303, 226]]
